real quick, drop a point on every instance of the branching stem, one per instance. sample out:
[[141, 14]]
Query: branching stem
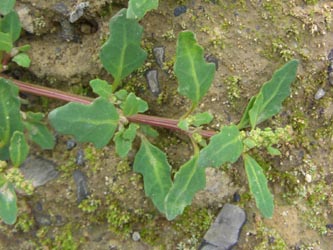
[[68, 97]]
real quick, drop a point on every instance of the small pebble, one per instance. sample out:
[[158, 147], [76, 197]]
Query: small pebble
[[329, 226], [179, 10], [136, 236], [308, 178], [159, 53], [152, 80], [80, 179], [70, 144], [80, 157], [320, 94]]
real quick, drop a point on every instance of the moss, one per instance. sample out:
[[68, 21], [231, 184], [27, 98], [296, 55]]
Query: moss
[[90, 204], [119, 219], [194, 222], [24, 223], [270, 239], [63, 238]]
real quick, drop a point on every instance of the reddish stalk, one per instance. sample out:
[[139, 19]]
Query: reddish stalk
[[68, 97]]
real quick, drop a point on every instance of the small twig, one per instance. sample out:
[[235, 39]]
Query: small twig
[[68, 97]]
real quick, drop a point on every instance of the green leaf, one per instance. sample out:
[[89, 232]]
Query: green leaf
[[138, 8], [22, 59], [10, 118], [95, 123], [124, 138], [201, 119], [269, 100], [188, 181], [226, 146], [11, 24], [18, 148], [148, 130], [134, 105], [121, 94], [194, 74], [273, 151], [196, 120], [8, 207], [38, 131], [184, 124], [101, 88], [6, 43], [258, 187], [245, 121], [122, 54], [24, 48], [6, 6], [152, 163]]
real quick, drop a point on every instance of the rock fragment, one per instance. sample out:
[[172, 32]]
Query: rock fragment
[[152, 80], [224, 232], [179, 10], [38, 170], [80, 179], [78, 12], [320, 94], [159, 53]]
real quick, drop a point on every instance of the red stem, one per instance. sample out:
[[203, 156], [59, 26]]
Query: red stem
[[68, 97]]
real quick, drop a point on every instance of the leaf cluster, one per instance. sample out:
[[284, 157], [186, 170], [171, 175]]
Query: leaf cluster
[[107, 118], [10, 30]]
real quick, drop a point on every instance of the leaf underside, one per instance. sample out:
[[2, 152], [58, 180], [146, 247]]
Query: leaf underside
[[194, 74], [258, 187], [223, 147], [95, 123]]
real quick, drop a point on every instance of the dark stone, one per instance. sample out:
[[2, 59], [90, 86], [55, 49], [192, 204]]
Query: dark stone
[[329, 226], [224, 232], [236, 197], [179, 10], [152, 80], [80, 179], [38, 170], [212, 59], [70, 144]]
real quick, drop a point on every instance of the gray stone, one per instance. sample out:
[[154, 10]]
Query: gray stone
[[224, 232], [136, 236], [38, 170], [153, 84], [159, 53], [320, 94], [78, 11], [80, 179]]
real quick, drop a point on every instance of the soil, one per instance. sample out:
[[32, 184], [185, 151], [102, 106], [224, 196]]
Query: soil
[[250, 40]]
